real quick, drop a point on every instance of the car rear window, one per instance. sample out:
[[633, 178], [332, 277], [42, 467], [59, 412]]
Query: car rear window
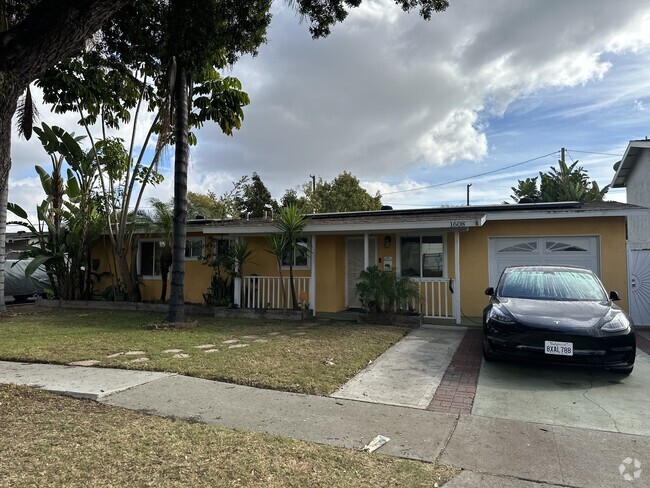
[[551, 285]]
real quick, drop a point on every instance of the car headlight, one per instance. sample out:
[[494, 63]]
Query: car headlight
[[497, 315], [617, 323]]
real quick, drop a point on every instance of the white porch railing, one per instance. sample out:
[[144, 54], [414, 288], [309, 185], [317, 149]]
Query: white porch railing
[[436, 300], [266, 291]]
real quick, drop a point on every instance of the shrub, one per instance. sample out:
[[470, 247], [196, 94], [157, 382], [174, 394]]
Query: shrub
[[383, 292]]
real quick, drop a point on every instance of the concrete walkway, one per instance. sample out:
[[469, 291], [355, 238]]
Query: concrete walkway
[[408, 373], [496, 452]]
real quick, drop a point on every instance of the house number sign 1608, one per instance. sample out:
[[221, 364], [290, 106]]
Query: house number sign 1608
[[458, 223]]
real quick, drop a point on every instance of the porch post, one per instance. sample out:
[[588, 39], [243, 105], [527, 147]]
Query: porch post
[[312, 279], [457, 277], [366, 250]]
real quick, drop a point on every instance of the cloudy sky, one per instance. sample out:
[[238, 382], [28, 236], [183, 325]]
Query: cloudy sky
[[408, 105]]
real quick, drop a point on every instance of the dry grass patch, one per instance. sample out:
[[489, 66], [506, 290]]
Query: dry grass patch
[[314, 358], [58, 441]]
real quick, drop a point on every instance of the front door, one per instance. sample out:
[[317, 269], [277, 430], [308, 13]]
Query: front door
[[354, 266]]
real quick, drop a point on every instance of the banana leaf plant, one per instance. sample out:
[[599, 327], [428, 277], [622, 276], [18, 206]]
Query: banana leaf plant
[[68, 219]]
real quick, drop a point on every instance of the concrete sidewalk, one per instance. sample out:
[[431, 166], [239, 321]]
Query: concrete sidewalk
[[496, 452]]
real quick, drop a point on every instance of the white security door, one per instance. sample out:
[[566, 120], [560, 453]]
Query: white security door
[[640, 286], [561, 250], [354, 266]]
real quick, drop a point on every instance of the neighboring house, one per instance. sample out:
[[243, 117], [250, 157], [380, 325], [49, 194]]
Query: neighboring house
[[633, 174], [17, 242], [454, 253]]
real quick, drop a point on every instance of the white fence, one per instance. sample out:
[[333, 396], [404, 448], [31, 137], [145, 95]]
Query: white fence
[[267, 291], [436, 300]]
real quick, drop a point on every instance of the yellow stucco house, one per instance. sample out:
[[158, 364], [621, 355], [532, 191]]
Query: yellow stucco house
[[454, 253]]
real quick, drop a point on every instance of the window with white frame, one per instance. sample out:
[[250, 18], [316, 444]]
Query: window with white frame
[[422, 256], [149, 252], [194, 248], [299, 256]]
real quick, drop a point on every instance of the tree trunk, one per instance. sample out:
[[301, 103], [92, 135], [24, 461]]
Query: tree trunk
[[3, 255], [292, 287], [9, 93], [176, 311]]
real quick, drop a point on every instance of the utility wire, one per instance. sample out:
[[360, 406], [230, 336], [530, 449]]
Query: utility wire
[[473, 176], [593, 152]]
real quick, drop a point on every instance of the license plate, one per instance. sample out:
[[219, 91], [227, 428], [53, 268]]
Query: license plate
[[558, 348]]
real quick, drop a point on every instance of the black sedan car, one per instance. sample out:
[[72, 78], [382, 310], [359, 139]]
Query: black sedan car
[[558, 314]]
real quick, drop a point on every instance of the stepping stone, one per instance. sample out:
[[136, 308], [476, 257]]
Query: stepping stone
[[87, 362], [117, 354], [134, 353], [283, 336], [139, 360], [230, 341], [274, 333], [205, 346], [181, 356], [234, 346], [249, 337], [173, 351], [211, 350], [299, 333], [261, 340]]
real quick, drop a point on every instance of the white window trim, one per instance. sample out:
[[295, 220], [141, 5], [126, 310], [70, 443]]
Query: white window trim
[[139, 261], [194, 239]]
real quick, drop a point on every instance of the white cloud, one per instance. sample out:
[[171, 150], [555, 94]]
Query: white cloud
[[392, 98]]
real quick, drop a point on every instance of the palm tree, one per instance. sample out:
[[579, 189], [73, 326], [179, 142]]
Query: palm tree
[[200, 40], [291, 224], [276, 247]]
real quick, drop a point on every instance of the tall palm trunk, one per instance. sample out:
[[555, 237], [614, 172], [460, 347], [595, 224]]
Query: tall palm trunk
[[176, 311]]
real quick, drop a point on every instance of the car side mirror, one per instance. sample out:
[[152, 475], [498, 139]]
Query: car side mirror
[[489, 291], [613, 296]]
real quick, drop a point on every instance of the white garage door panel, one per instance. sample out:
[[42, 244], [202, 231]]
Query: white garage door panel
[[560, 250]]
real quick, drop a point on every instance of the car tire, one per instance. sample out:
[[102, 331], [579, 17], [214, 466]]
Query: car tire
[[622, 372], [487, 354]]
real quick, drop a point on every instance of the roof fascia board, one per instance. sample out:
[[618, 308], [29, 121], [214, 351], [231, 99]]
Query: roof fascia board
[[314, 228], [631, 144], [564, 215]]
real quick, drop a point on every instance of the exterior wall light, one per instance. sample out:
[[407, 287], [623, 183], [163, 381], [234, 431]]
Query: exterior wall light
[[387, 240]]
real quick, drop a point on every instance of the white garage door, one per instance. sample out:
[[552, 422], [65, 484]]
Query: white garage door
[[561, 250]]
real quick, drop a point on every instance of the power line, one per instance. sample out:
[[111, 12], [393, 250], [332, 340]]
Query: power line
[[593, 152], [473, 176]]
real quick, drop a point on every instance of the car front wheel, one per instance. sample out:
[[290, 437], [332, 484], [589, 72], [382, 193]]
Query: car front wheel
[[487, 354]]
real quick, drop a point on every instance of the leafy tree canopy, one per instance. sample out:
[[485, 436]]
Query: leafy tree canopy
[[569, 183], [255, 198], [342, 194]]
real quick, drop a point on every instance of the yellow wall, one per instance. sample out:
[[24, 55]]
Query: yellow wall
[[474, 253], [197, 275]]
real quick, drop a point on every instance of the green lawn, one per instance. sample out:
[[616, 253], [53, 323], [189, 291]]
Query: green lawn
[[58, 441], [302, 357]]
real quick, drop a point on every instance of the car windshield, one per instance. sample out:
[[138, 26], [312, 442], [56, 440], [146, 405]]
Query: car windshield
[[550, 285]]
